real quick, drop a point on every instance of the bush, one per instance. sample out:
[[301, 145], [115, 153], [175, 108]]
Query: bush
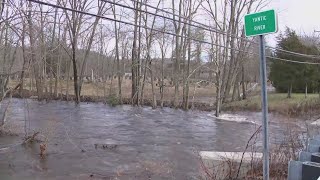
[[113, 100]]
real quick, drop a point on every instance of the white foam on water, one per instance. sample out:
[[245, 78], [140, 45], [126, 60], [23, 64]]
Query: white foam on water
[[316, 123], [234, 156], [232, 118]]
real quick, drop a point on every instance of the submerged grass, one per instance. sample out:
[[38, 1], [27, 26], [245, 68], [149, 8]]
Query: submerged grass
[[278, 102]]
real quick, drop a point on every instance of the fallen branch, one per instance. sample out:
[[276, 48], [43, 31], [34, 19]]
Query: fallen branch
[[30, 138], [9, 91]]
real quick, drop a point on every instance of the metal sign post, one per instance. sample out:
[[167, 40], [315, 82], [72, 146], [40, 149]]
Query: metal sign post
[[264, 98], [258, 24]]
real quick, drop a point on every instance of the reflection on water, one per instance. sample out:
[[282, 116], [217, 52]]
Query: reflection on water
[[160, 144]]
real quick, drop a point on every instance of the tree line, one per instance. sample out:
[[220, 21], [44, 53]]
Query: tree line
[[62, 38]]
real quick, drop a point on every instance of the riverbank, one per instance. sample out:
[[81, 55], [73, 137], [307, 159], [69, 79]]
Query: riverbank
[[297, 105], [126, 101]]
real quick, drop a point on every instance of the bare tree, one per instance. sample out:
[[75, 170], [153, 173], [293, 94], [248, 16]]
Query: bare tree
[[74, 22], [148, 62], [164, 42], [228, 62], [119, 74], [178, 45], [101, 11], [135, 62]]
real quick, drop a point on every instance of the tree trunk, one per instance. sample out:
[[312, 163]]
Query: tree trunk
[[119, 74], [306, 91], [36, 67], [186, 94], [50, 83], [75, 73], [25, 61], [162, 72], [289, 90], [162, 81], [134, 67], [244, 95], [154, 100], [144, 80], [231, 71], [319, 89], [57, 76], [31, 80], [68, 78], [112, 74], [234, 91], [177, 26], [218, 91]]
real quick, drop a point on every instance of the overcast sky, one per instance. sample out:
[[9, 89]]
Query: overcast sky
[[300, 15]]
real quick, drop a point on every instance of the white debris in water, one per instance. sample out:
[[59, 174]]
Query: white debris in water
[[234, 156], [233, 118], [316, 123]]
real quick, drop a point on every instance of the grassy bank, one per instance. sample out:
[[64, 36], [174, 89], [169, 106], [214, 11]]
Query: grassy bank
[[297, 105], [201, 98]]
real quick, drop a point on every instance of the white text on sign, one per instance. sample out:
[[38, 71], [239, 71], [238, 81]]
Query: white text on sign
[[258, 28], [258, 19]]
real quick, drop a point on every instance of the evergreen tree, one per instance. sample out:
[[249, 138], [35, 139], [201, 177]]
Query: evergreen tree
[[293, 77]]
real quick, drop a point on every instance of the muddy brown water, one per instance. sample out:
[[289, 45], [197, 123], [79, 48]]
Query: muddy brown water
[[150, 144]]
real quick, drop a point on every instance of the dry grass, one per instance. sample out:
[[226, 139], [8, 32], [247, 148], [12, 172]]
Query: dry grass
[[9, 129], [104, 89], [204, 97], [280, 154]]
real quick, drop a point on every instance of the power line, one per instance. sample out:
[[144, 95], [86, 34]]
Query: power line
[[292, 61], [128, 23], [203, 26], [208, 28], [295, 53], [164, 32]]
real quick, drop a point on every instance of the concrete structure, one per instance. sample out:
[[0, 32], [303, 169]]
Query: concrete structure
[[304, 156], [295, 170], [308, 166], [310, 171], [315, 157]]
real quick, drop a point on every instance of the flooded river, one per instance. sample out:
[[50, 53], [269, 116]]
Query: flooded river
[[95, 141]]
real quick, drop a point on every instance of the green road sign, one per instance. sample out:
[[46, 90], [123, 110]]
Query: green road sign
[[260, 23]]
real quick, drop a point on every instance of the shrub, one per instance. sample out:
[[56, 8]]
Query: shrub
[[113, 100]]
